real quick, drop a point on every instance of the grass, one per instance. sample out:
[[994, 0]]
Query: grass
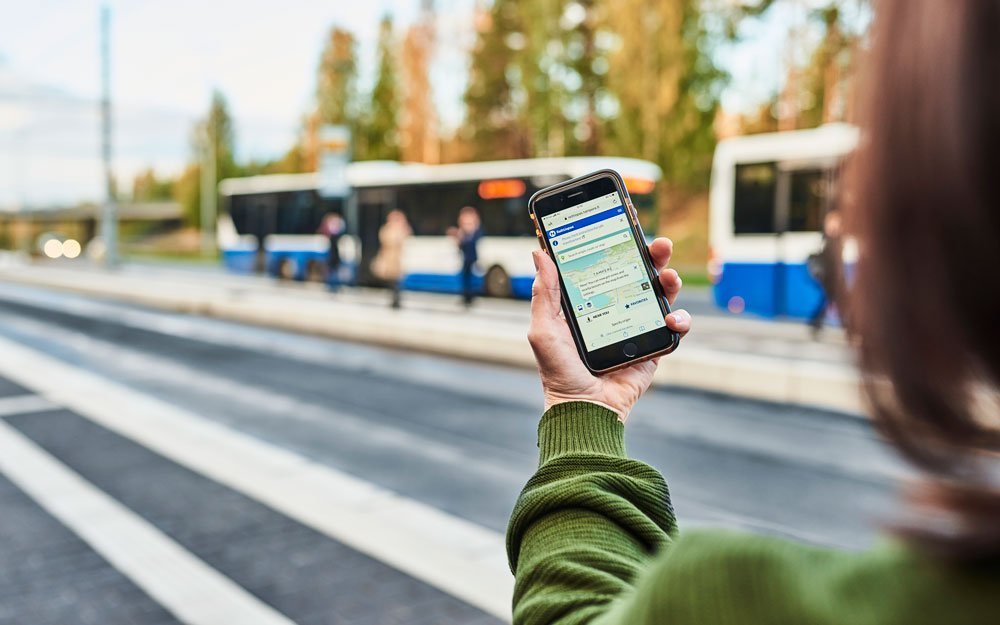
[[178, 256]]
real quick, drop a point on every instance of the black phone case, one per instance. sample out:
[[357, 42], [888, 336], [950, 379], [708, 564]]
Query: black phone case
[[644, 250]]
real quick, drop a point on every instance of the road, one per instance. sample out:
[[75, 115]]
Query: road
[[451, 436]]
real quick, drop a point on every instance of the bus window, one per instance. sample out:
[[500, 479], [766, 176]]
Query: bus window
[[809, 194], [753, 198], [295, 212], [506, 217], [236, 205], [503, 205], [433, 208], [254, 213]]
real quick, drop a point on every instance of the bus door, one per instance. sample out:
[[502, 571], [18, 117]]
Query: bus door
[[751, 273], [373, 204], [804, 191]]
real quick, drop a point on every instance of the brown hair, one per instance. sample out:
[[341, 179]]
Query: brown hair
[[925, 305]]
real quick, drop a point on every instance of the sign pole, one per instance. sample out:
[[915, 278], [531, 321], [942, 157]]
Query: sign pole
[[109, 219]]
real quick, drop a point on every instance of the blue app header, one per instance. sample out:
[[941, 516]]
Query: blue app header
[[586, 221]]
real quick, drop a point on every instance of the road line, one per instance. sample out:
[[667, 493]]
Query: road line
[[452, 554], [21, 404], [194, 592]]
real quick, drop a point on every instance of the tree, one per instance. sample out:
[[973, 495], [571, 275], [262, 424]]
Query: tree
[[380, 124], [336, 79], [585, 65], [494, 125], [827, 77], [147, 187], [666, 88], [419, 140], [820, 90], [216, 131]]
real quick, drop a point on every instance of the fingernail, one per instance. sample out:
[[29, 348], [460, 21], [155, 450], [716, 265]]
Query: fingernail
[[678, 318]]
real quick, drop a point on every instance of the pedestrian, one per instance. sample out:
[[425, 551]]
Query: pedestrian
[[593, 537], [332, 228], [825, 267], [467, 236], [388, 262]]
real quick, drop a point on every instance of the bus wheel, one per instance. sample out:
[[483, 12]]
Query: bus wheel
[[316, 271], [497, 282], [286, 269]]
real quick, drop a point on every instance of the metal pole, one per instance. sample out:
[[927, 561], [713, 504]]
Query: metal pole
[[208, 194], [109, 220]]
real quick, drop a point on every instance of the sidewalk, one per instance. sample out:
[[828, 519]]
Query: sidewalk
[[740, 357]]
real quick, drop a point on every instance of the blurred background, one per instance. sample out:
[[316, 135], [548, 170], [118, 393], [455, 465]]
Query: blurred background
[[208, 406]]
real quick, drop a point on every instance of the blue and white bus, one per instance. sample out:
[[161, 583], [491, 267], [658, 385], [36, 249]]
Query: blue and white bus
[[270, 222], [769, 195]]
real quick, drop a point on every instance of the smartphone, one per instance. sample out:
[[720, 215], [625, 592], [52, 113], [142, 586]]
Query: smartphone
[[611, 294]]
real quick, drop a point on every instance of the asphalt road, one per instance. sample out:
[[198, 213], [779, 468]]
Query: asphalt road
[[460, 436], [454, 435]]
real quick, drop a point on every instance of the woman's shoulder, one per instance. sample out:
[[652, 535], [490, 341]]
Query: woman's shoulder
[[714, 576]]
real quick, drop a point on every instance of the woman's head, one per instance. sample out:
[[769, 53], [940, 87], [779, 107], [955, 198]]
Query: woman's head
[[925, 209]]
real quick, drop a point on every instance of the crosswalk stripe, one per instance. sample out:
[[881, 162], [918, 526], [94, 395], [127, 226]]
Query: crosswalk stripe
[[452, 554], [22, 404], [183, 584]]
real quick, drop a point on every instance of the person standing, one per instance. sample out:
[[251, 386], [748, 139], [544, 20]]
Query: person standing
[[333, 228], [467, 236], [826, 268], [388, 263]]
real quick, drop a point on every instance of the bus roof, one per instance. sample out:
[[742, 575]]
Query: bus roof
[[391, 173], [831, 140]]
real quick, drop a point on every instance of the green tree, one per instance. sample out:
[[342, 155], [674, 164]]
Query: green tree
[[336, 79], [147, 187], [215, 130], [584, 64], [667, 90], [380, 125], [494, 125]]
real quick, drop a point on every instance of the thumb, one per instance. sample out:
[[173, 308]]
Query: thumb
[[545, 290]]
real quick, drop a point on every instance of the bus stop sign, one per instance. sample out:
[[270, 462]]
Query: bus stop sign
[[334, 155]]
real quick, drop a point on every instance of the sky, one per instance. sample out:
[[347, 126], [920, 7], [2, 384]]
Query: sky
[[167, 57]]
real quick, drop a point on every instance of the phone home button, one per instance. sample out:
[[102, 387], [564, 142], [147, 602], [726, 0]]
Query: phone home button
[[630, 350]]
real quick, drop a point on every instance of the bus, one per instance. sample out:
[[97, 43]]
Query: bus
[[269, 223], [768, 198]]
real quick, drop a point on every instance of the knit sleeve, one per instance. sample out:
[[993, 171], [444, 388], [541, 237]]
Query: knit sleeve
[[587, 523]]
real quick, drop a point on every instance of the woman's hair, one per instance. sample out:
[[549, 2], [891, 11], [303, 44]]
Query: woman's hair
[[923, 200]]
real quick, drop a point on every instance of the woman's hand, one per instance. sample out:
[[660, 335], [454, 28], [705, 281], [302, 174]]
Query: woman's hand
[[564, 376]]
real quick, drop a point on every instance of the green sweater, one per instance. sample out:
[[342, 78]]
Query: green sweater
[[593, 539]]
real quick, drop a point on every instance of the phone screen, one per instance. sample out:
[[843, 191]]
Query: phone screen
[[603, 271]]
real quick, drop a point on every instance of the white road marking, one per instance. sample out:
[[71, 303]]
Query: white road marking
[[184, 585], [21, 404], [452, 554]]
